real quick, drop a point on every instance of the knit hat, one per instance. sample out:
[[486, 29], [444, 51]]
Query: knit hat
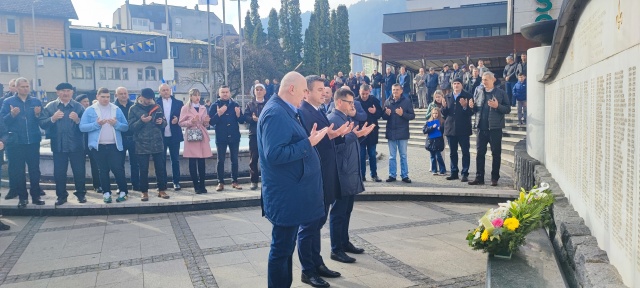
[[147, 93], [457, 80], [81, 97], [63, 86]]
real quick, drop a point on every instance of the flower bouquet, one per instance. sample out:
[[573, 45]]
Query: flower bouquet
[[502, 230]]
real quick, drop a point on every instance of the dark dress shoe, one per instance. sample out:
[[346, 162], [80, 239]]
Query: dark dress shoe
[[376, 179], [391, 179], [353, 249], [99, 190], [314, 280], [22, 204], [59, 201], [342, 257], [477, 182], [406, 180], [494, 182], [4, 227], [326, 272], [38, 201], [82, 200], [176, 187], [10, 195], [452, 177], [464, 178], [364, 179]]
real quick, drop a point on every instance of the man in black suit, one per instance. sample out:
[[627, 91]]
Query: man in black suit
[[457, 127], [313, 267], [172, 132], [372, 108]]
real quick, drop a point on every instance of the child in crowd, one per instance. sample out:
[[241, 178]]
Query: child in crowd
[[438, 98], [520, 93], [435, 141]]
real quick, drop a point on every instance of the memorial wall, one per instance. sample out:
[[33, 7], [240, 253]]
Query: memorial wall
[[591, 136]]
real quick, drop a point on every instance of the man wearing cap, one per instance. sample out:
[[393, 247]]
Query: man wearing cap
[[147, 122], [20, 114], [172, 132], [104, 123], [124, 103], [444, 81], [83, 99], [251, 115], [457, 127], [60, 119]]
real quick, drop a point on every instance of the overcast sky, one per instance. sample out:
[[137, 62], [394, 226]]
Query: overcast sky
[[92, 12]]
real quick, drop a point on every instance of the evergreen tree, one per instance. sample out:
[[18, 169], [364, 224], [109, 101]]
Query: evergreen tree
[[324, 37], [248, 28], [311, 53], [258, 36], [342, 47], [284, 32], [291, 31], [273, 40], [333, 65]]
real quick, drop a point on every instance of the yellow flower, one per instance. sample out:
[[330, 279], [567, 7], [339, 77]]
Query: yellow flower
[[485, 235], [511, 223]]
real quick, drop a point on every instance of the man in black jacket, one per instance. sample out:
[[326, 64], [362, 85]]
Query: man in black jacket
[[492, 105], [398, 111], [377, 80], [124, 104], [60, 119], [251, 116], [432, 84], [473, 82], [225, 115], [172, 132], [457, 128], [389, 80], [372, 108]]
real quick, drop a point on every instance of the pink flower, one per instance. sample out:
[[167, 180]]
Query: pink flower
[[497, 223]]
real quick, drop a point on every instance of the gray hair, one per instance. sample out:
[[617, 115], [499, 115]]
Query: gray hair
[[489, 74], [365, 87], [509, 57], [20, 80], [121, 88], [312, 79]]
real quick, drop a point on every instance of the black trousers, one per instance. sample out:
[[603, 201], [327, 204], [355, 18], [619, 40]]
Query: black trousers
[[463, 142], [160, 164], [110, 159], [253, 162], [95, 174], [222, 155], [19, 155], [197, 172], [493, 137], [61, 162]]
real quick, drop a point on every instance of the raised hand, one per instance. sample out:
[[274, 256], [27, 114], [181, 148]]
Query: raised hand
[[159, 121], [237, 112], [57, 116], [74, 116], [206, 119], [14, 111], [1, 145], [471, 103], [37, 110], [144, 119], [463, 102], [493, 103], [387, 111], [222, 110], [399, 111], [372, 109], [254, 117], [317, 135], [195, 120], [102, 121], [174, 120], [112, 121]]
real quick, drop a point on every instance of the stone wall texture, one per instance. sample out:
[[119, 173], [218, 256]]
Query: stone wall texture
[[592, 140]]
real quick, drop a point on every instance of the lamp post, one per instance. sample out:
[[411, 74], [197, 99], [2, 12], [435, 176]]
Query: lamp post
[[240, 33], [35, 47]]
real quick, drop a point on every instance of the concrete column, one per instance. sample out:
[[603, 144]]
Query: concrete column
[[536, 61]]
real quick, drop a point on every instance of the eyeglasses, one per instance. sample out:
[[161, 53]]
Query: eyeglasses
[[350, 102]]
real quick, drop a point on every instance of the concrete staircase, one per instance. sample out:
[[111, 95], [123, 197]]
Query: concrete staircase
[[512, 134]]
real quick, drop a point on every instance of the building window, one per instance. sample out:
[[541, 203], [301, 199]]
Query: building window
[[77, 71], [157, 25], [472, 32], [160, 75], [9, 63], [103, 73], [410, 37], [103, 42], [88, 72], [125, 73], [192, 53], [175, 75], [178, 23], [487, 32], [112, 43], [11, 25], [151, 48], [113, 73], [503, 30], [123, 42], [178, 34], [455, 33], [139, 22], [174, 52], [436, 35], [150, 74], [465, 33], [76, 40], [140, 74], [200, 53]]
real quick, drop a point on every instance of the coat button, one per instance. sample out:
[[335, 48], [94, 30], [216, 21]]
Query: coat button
[[228, 124]]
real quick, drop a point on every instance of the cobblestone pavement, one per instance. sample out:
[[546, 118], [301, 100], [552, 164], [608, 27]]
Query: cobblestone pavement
[[408, 244]]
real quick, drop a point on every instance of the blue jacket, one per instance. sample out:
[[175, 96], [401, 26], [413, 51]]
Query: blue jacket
[[89, 124], [291, 176], [176, 130], [520, 91], [227, 125], [348, 155], [22, 129], [432, 81]]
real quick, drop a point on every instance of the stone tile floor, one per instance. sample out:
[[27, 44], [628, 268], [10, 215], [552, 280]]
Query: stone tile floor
[[408, 244]]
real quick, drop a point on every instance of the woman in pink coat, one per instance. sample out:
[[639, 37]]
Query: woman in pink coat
[[196, 147]]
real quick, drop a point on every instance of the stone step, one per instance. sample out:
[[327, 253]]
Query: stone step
[[418, 126]]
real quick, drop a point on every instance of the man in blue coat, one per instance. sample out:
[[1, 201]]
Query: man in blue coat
[[313, 266], [291, 176], [349, 176], [172, 132]]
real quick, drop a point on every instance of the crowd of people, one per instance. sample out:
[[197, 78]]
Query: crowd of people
[[309, 140]]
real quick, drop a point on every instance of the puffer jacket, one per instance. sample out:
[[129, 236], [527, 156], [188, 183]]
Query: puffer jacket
[[65, 134], [23, 128], [398, 126], [147, 136], [496, 115]]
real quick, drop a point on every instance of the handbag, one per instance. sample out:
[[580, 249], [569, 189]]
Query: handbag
[[194, 135], [435, 144]]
